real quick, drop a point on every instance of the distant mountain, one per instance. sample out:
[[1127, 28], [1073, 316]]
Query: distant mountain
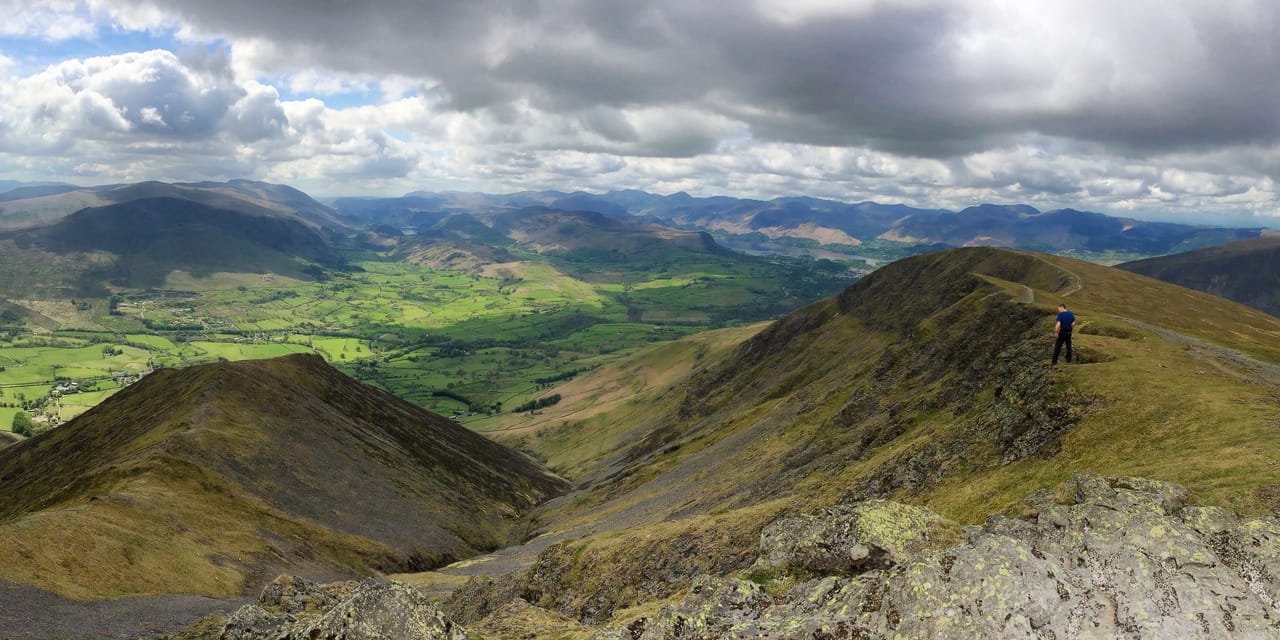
[[213, 478], [35, 207], [8, 186], [1247, 271], [1024, 227], [59, 242], [478, 229], [760, 224]]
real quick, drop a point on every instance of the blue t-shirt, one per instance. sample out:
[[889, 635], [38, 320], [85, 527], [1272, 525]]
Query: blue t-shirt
[[1067, 319]]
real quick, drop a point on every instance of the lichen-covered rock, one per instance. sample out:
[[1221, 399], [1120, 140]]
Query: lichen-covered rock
[[848, 539], [714, 608], [295, 594], [481, 596], [252, 622], [379, 611], [293, 608], [1100, 558]]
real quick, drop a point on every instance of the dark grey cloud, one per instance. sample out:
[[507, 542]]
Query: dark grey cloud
[[934, 78]]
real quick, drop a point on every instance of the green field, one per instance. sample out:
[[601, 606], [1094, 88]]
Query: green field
[[459, 343]]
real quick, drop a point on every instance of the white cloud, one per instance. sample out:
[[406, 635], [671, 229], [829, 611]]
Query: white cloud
[[49, 20], [1143, 105]]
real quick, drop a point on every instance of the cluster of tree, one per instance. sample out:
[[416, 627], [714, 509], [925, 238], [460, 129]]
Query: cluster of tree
[[24, 426], [534, 405], [283, 294], [175, 326], [541, 382], [444, 393]]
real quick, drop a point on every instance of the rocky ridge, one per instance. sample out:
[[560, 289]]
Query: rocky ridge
[[1099, 558], [1096, 558]]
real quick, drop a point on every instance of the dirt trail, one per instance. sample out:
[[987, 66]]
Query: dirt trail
[[1228, 360], [1078, 282], [28, 612]]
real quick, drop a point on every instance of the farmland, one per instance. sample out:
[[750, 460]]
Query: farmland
[[459, 343]]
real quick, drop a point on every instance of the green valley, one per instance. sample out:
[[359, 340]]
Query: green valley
[[452, 341]]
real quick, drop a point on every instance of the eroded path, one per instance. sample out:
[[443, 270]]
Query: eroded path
[[1230, 361]]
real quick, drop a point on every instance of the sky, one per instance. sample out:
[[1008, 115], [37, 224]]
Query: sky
[[1151, 108]]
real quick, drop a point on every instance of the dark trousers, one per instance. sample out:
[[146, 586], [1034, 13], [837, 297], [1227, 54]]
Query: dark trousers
[[1064, 337]]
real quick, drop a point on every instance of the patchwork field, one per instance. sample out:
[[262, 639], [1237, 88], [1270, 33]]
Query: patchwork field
[[463, 344]]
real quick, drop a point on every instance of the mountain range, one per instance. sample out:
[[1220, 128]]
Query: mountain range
[[62, 240], [778, 224]]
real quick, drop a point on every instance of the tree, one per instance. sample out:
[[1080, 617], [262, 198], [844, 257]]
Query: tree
[[22, 424]]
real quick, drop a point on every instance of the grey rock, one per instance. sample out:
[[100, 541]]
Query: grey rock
[[295, 594], [850, 538], [252, 622], [293, 608], [1100, 558], [379, 611], [714, 608]]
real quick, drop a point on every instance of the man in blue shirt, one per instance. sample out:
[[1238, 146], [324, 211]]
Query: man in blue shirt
[[1062, 329]]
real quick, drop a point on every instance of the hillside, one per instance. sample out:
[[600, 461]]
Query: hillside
[[1247, 271], [894, 389], [927, 383], [211, 479]]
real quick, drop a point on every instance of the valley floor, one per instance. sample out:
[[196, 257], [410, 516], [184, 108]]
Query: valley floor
[[31, 613]]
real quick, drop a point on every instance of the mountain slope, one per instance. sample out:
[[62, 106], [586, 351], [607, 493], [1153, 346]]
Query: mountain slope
[[208, 479], [926, 382], [1247, 271]]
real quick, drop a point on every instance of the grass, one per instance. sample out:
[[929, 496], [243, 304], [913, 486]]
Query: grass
[[1164, 413], [6, 417], [204, 479], [759, 418]]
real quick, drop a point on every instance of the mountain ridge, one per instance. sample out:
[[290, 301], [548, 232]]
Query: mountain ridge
[[228, 472], [925, 383]]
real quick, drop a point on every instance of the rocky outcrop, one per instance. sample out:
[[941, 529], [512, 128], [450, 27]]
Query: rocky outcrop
[[1099, 558], [1095, 558], [293, 608], [847, 539]]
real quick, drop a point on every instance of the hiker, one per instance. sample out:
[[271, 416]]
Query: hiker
[[1062, 330]]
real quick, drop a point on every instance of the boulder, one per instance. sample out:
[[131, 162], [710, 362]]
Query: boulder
[[379, 611], [294, 608], [851, 538]]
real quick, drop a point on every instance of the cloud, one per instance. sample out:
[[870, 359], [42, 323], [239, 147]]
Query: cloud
[[1141, 104], [923, 77], [158, 115], [50, 21]]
